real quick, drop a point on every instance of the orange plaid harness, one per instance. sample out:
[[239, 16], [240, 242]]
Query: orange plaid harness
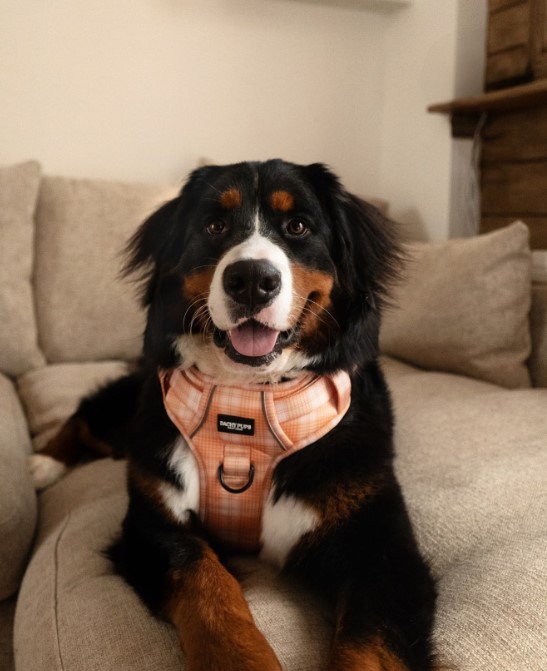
[[239, 434]]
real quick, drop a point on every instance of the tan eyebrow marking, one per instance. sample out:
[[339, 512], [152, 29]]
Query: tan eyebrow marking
[[282, 201], [231, 198]]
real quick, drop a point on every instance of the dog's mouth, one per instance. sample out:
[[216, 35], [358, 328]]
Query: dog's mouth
[[253, 343]]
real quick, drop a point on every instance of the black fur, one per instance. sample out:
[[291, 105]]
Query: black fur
[[368, 563]]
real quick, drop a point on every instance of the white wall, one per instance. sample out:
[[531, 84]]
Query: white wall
[[415, 171], [469, 80], [144, 89]]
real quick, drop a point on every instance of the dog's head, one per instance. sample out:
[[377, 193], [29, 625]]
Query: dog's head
[[258, 271]]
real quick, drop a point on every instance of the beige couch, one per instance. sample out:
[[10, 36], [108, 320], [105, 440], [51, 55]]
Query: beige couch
[[465, 346]]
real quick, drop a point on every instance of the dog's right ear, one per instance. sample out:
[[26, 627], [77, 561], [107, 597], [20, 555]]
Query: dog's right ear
[[149, 246], [153, 246]]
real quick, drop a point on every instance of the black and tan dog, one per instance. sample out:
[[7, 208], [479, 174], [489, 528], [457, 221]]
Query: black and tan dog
[[260, 420]]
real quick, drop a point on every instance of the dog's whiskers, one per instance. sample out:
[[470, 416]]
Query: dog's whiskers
[[306, 308], [200, 299], [198, 314]]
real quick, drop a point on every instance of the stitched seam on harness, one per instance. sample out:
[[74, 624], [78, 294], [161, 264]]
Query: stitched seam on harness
[[268, 422], [206, 413], [56, 599]]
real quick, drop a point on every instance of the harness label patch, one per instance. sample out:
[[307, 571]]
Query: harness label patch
[[242, 426]]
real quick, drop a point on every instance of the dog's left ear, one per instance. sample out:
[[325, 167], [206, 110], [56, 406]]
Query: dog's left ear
[[368, 258]]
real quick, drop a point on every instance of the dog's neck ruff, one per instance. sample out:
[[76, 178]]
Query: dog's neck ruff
[[238, 435]]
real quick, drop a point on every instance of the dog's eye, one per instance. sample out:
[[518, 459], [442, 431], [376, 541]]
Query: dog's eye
[[216, 227], [297, 228]]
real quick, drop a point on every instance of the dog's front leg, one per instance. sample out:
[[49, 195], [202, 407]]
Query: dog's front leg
[[367, 563], [213, 621]]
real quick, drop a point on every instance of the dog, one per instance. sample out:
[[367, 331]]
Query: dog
[[259, 420]]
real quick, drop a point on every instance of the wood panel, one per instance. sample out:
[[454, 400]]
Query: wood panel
[[508, 67], [496, 5], [508, 49], [537, 226], [515, 136], [514, 188], [509, 28], [539, 38]]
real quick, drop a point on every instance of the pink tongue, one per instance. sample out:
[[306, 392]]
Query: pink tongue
[[252, 339]]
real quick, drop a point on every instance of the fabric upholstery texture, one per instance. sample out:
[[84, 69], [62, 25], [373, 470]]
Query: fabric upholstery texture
[[19, 350], [85, 311], [472, 460], [17, 496], [83, 617], [51, 394], [538, 326], [463, 307]]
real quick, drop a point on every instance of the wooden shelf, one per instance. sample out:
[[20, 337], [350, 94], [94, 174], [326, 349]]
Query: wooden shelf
[[465, 113], [516, 97], [373, 5]]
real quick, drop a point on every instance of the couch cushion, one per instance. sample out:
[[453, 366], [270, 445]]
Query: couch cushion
[[18, 336], [85, 311], [538, 327], [473, 465], [82, 616], [472, 459], [17, 497], [51, 394], [463, 307]]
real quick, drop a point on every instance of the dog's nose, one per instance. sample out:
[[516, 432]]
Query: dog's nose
[[252, 283]]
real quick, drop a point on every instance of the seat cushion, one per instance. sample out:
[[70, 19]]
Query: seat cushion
[[84, 617], [472, 460], [19, 350]]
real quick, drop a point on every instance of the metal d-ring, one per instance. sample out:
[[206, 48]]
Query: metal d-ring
[[233, 490]]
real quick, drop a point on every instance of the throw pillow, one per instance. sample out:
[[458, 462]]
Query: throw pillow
[[463, 307]]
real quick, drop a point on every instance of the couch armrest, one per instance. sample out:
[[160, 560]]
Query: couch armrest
[[17, 496]]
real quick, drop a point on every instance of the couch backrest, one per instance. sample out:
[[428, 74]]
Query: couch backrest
[[84, 310], [19, 352], [61, 298]]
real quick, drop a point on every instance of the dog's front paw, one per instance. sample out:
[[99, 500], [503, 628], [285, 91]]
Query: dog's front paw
[[45, 470]]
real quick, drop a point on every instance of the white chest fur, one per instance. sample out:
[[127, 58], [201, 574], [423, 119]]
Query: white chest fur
[[283, 525], [180, 501], [283, 522]]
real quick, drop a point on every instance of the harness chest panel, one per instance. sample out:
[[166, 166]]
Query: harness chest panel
[[238, 435]]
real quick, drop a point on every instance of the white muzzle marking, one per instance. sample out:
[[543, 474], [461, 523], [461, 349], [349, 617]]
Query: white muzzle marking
[[277, 314]]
